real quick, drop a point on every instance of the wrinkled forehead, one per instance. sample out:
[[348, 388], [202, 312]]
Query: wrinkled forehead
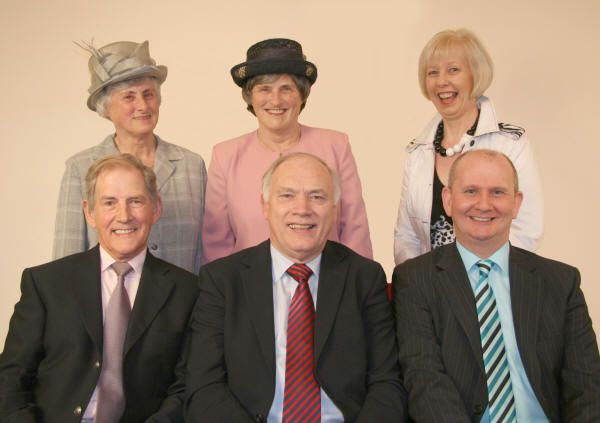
[[302, 171]]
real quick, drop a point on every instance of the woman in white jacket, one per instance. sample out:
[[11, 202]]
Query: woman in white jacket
[[454, 72]]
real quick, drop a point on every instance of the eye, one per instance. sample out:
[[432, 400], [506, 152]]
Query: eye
[[149, 94], [432, 72], [108, 204], [136, 202], [453, 69], [470, 191]]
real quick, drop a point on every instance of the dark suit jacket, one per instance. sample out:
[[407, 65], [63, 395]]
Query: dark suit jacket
[[231, 367], [53, 351], [440, 347]]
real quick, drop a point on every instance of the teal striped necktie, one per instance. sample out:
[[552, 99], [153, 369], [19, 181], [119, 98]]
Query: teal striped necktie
[[500, 395]]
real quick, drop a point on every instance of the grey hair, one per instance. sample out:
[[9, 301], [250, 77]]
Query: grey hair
[[105, 96], [268, 176], [488, 154], [302, 83], [119, 161]]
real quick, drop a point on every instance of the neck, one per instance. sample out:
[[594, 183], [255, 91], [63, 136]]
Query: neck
[[279, 140], [144, 147], [454, 129]]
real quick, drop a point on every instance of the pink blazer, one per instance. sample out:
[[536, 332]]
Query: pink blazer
[[233, 217]]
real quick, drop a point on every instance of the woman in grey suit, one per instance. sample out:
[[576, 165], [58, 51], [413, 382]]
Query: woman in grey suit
[[125, 89]]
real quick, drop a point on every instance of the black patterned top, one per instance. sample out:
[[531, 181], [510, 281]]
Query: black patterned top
[[441, 230]]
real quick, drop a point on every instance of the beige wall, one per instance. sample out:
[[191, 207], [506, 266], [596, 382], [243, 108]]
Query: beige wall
[[546, 55]]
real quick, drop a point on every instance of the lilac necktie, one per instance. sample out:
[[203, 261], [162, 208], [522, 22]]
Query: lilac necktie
[[111, 399]]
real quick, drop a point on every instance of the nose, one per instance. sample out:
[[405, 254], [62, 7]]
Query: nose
[[140, 103], [275, 97], [484, 201], [442, 78], [302, 206], [123, 212]]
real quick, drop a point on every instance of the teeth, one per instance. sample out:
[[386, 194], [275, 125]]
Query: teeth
[[481, 219], [276, 111], [123, 231], [444, 96], [297, 226]]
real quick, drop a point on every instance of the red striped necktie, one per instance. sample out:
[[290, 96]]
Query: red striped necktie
[[302, 395]]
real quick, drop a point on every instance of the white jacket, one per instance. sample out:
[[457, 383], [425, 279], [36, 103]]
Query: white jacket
[[411, 232]]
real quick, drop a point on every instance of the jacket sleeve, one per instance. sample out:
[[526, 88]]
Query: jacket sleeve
[[70, 227], [406, 242], [23, 351], [208, 397], [527, 229], [386, 399], [580, 373], [218, 238], [432, 395], [353, 223]]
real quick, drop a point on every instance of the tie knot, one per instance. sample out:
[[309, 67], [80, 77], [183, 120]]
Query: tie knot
[[485, 266], [121, 269], [299, 271]]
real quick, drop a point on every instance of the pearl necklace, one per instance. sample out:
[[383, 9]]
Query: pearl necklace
[[439, 136]]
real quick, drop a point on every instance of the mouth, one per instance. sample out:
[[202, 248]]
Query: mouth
[[276, 111], [144, 117], [482, 219], [299, 226], [123, 231], [447, 97]]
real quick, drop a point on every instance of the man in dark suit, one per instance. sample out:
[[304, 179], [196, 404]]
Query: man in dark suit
[[489, 332], [57, 366], [246, 345]]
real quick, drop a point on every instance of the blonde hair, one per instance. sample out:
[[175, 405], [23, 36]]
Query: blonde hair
[[480, 62]]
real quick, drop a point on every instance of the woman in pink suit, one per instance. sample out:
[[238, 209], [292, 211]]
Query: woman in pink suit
[[276, 81]]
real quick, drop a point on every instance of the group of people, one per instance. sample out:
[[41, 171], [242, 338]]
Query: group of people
[[249, 293]]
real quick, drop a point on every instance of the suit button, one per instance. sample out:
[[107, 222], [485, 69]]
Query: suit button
[[154, 247], [96, 364], [77, 410], [478, 409], [259, 418]]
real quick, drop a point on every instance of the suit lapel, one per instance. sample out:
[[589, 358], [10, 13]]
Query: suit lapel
[[526, 293], [85, 285], [332, 279], [456, 288], [153, 291], [163, 166], [257, 282]]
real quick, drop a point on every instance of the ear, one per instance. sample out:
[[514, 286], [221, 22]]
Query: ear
[[265, 207], [518, 201], [89, 214], [157, 210], [447, 200]]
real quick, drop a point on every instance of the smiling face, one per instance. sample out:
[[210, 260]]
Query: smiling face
[[123, 213], [300, 209], [449, 84], [277, 104], [482, 202], [134, 110]]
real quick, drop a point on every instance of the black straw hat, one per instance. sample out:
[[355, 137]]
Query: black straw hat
[[276, 55]]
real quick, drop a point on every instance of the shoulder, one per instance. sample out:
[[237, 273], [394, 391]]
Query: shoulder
[[235, 262], [63, 268], [87, 156], [233, 144], [174, 273], [489, 123], [181, 153], [549, 268], [325, 136], [334, 252]]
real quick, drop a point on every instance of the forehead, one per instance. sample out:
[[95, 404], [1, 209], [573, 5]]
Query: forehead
[[478, 169], [120, 178], [450, 51], [277, 80], [302, 172]]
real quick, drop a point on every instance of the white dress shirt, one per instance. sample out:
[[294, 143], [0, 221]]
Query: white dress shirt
[[284, 287], [108, 282]]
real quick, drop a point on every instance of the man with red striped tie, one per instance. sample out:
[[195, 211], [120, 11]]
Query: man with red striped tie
[[298, 328]]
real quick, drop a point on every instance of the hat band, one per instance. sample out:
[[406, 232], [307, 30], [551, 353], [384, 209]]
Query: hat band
[[275, 53]]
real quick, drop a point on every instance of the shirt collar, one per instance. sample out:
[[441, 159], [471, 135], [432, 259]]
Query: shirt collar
[[106, 260], [281, 263], [500, 257]]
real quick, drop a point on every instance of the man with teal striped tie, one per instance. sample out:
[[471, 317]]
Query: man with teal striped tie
[[489, 332]]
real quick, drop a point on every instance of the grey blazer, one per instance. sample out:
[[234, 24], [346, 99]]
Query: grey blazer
[[181, 181], [440, 349]]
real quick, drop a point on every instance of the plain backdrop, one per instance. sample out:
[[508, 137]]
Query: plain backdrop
[[546, 80]]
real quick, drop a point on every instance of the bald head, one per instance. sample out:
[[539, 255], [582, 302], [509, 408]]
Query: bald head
[[488, 155]]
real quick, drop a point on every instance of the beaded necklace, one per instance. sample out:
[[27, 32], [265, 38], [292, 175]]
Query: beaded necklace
[[439, 136]]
